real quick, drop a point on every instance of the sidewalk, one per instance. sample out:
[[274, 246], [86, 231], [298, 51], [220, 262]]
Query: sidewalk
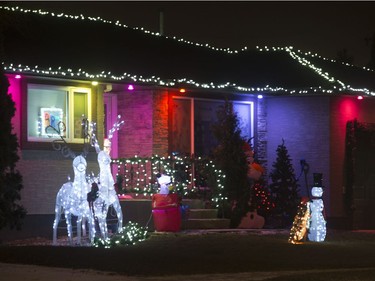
[[17, 272]]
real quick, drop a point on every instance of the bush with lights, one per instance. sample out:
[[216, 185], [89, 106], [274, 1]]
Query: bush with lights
[[130, 234]]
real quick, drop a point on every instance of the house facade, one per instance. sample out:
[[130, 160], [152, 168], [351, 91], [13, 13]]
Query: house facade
[[279, 95]]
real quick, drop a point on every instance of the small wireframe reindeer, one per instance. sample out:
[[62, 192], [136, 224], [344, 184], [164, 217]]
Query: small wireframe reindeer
[[71, 199]]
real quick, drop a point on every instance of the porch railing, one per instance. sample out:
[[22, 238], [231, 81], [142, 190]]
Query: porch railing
[[191, 177]]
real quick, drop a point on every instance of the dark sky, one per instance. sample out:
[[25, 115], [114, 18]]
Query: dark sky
[[322, 27]]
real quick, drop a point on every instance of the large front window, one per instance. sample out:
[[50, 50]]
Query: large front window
[[192, 120], [54, 111]]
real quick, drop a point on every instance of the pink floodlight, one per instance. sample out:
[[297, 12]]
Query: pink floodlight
[[130, 87]]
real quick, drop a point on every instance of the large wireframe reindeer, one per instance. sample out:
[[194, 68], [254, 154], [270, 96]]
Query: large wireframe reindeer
[[107, 193], [71, 199]]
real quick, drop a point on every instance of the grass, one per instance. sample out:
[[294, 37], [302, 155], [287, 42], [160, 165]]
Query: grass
[[208, 253]]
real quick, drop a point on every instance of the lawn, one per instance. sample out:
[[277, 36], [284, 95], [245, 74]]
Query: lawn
[[213, 252]]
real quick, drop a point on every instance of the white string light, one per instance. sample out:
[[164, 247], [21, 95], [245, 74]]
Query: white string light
[[337, 85]]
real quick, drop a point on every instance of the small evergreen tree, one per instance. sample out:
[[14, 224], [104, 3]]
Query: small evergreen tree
[[11, 213], [284, 187], [231, 159]]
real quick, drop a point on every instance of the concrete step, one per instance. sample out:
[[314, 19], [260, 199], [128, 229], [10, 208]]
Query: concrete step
[[205, 224], [202, 214], [193, 203], [198, 217]]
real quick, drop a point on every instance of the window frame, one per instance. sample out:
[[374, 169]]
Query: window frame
[[71, 86], [193, 99]]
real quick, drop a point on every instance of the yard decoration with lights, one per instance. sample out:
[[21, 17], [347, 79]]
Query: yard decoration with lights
[[317, 225], [309, 223], [107, 193], [71, 199]]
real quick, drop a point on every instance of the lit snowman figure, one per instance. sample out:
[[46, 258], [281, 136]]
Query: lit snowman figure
[[164, 181], [317, 224]]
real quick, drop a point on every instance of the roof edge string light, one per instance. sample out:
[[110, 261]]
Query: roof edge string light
[[117, 23], [60, 73], [172, 82]]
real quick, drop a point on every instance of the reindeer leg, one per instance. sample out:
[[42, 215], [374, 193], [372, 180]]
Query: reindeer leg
[[56, 223], [117, 207], [83, 226], [68, 218], [102, 220], [91, 223], [79, 225], [103, 225]]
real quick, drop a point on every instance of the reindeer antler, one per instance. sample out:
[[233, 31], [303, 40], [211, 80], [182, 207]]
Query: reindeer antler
[[61, 144], [116, 126], [94, 141]]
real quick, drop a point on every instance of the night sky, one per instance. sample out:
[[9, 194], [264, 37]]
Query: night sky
[[320, 26]]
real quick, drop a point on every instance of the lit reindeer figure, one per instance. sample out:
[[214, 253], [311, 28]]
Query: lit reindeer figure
[[71, 199], [107, 193]]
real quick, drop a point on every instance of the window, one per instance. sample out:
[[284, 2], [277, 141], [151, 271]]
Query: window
[[192, 119], [60, 109]]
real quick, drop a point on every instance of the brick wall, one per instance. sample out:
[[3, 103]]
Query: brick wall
[[160, 124], [136, 136], [344, 109], [43, 173], [303, 123]]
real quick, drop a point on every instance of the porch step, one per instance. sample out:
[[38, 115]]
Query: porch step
[[193, 203], [202, 214], [198, 217]]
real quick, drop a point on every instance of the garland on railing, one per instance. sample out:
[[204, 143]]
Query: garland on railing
[[191, 177]]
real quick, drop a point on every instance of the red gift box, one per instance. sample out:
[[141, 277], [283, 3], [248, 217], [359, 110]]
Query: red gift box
[[167, 220], [163, 201]]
